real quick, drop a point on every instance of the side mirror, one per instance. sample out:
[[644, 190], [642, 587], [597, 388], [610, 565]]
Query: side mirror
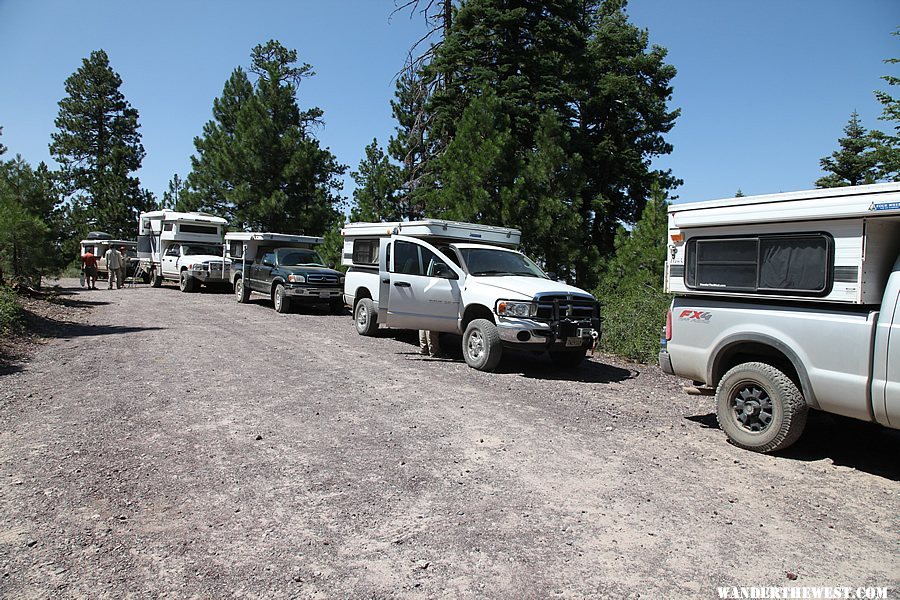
[[552, 275], [331, 266], [268, 263]]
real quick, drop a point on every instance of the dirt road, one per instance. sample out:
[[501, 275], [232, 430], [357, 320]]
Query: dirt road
[[170, 444]]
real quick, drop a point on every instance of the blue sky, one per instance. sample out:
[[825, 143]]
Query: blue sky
[[765, 87]]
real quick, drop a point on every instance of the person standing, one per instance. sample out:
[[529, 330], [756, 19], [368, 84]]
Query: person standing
[[89, 266], [123, 271], [114, 260]]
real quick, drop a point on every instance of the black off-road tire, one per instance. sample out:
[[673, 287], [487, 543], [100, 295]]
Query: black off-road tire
[[481, 345], [281, 300], [366, 317], [186, 283], [155, 278], [759, 408], [241, 292], [568, 359]]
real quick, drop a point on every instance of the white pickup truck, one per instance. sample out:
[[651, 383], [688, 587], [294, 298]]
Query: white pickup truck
[[785, 303], [466, 279], [182, 247]]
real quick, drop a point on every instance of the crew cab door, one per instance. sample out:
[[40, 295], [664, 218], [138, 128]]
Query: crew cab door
[[886, 355], [424, 287], [170, 260], [261, 273]]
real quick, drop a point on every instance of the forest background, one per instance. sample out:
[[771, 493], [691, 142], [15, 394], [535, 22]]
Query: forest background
[[549, 116]]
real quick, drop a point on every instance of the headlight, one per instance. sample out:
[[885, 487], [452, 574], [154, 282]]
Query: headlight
[[198, 267], [296, 278], [508, 308]]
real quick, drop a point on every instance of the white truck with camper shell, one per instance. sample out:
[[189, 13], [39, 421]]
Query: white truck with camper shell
[[182, 246], [466, 279], [284, 267], [785, 303]]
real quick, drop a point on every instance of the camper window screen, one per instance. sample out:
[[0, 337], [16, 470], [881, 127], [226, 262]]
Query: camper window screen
[[365, 252], [798, 264], [185, 228]]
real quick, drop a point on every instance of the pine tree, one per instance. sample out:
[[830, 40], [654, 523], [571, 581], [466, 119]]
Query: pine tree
[[257, 163], [29, 244], [607, 91], [174, 197], [632, 284], [886, 145], [98, 147], [377, 190], [855, 163]]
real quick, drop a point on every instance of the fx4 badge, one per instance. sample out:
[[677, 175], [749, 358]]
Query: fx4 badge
[[695, 316]]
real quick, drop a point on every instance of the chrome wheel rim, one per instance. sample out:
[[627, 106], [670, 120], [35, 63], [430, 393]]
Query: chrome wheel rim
[[475, 345], [362, 316]]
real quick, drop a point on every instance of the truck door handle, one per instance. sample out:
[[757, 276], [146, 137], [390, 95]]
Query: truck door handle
[[402, 284]]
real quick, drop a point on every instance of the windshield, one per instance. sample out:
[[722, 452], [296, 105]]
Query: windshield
[[200, 250], [494, 262], [298, 257]]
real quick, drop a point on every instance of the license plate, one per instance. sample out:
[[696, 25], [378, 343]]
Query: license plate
[[574, 341]]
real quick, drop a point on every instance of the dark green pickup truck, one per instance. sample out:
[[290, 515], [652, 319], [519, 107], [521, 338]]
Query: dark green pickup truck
[[289, 276]]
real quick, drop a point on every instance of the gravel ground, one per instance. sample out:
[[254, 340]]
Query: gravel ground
[[163, 444]]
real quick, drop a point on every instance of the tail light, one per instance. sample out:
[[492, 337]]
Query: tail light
[[669, 325]]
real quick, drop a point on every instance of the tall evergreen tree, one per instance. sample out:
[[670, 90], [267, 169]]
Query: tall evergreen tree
[[576, 67], [257, 163], [174, 197], [29, 222], [855, 163], [378, 181], [98, 147], [887, 144]]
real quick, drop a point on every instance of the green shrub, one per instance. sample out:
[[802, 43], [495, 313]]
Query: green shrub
[[632, 321], [12, 317]]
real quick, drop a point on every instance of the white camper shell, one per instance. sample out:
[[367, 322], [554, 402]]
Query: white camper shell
[[182, 246], [361, 239], [243, 247], [833, 245]]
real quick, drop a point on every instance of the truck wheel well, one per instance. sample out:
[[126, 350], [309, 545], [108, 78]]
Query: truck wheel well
[[476, 311], [360, 294], [754, 352]]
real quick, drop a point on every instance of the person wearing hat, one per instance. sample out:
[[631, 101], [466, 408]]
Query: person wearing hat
[[114, 262]]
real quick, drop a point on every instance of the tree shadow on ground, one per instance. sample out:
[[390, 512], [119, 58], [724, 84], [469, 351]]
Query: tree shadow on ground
[[48, 327], [859, 445], [527, 364]]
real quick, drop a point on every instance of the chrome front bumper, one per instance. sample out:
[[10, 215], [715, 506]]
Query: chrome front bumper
[[313, 292]]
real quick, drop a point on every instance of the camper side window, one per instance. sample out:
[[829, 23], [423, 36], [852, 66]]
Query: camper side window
[[793, 264], [236, 249], [167, 226], [365, 252]]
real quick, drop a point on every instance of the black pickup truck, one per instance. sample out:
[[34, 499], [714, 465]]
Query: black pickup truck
[[289, 276]]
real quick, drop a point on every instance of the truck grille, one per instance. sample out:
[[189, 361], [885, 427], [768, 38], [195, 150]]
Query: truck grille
[[322, 279], [558, 306]]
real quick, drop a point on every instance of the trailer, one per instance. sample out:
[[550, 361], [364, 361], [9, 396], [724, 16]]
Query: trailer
[[98, 242]]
